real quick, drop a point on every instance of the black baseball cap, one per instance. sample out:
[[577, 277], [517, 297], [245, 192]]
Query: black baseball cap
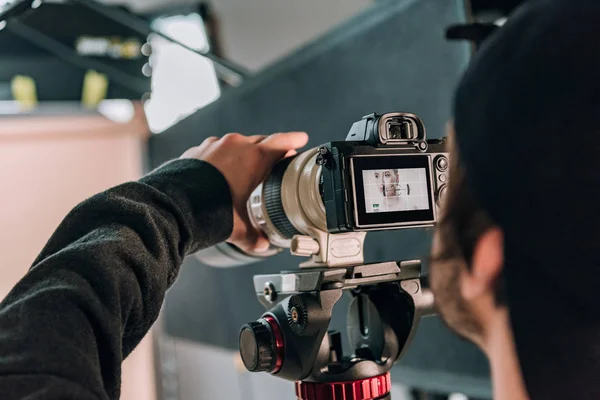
[[527, 120]]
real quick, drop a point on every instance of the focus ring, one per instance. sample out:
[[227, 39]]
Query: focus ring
[[272, 199]]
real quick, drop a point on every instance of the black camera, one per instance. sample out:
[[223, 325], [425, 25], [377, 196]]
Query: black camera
[[385, 175], [321, 204]]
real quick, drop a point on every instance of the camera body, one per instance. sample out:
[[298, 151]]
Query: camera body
[[386, 175], [321, 203]]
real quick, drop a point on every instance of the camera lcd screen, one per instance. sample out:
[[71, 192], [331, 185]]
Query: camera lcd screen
[[392, 190]]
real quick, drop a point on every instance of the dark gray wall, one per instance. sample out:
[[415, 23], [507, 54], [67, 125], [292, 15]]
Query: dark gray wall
[[393, 57]]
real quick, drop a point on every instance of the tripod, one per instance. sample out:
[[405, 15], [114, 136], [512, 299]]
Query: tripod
[[292, 339]]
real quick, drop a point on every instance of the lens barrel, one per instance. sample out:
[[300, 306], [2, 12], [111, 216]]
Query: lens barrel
[[289, 202]]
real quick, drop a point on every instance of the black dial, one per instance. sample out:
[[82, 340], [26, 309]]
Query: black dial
[[257, 346]]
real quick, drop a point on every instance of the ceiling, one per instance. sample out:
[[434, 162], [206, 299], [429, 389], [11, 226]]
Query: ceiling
[[149, 5], [255, 33]]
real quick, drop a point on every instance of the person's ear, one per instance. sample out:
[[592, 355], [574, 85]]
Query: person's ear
[[487, 262]]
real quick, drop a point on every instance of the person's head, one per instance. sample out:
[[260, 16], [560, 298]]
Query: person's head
[[511, 251], [466, 267]]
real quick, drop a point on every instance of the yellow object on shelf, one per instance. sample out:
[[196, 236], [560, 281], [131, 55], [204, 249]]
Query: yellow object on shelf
[[95, 89], [24, 91]]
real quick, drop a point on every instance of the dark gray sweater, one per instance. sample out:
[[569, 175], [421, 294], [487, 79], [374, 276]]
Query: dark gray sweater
[[99, 283]]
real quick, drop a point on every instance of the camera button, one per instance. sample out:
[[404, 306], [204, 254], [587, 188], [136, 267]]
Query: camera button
[[442, 193], [442, 163]]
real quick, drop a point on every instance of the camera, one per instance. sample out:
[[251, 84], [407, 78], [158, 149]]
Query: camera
[[385, 175], [321, 204]]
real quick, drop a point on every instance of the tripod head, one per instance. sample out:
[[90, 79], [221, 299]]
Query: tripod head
[[292, 339]]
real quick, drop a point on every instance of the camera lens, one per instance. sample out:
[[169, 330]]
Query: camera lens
[[290, 201]]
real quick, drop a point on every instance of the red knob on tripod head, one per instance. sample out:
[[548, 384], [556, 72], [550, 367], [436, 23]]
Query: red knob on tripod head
[[377, 387]]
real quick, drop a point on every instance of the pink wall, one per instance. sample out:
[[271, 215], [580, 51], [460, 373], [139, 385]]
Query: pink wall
[[47, 166]]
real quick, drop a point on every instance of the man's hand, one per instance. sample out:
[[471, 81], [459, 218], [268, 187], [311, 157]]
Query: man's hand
[[245, 162]]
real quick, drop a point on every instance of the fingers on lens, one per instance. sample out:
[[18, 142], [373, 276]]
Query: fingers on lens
[[232, 138], [280, 143], [290, 153], [205, 144], [208, 141], [257, 138]]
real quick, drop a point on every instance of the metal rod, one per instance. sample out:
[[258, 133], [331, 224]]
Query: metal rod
[[67, 54], [230, 72]]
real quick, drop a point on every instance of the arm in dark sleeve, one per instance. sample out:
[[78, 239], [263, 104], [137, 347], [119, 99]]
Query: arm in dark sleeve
[[98, 285]]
